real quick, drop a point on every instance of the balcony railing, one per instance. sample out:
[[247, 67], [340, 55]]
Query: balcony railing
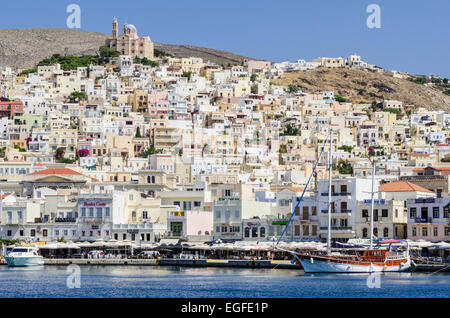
[[63, 220], [335, 193]]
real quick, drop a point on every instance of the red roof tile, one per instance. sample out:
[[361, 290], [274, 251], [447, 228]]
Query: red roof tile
[[56, 171], [401, 186]]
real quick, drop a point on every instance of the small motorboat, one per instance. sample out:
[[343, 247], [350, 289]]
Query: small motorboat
[[24, 256]]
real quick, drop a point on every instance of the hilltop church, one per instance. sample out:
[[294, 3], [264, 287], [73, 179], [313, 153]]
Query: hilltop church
[[129, 43]]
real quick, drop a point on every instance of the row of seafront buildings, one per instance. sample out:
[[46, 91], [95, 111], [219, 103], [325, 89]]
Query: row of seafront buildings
[[62, 203], [195, 150]]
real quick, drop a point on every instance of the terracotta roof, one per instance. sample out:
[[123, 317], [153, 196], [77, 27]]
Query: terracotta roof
[[401, 186], [56, 171]]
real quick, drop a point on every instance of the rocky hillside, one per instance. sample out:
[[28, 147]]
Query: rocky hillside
[[366, 86], [23, 48]]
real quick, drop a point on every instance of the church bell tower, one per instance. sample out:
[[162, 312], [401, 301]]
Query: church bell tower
[[115, 32]]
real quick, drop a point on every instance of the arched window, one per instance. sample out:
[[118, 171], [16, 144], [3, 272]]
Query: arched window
[[262, 232], [364, 233], [153, 179], [385, 232], [375, 231], [148, 179], [254, 232], [247, 232]]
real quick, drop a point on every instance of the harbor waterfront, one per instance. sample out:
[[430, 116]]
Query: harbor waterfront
[[175, 281]]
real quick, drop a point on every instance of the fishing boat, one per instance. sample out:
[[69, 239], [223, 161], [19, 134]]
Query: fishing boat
[[24, 256], [363, 261]]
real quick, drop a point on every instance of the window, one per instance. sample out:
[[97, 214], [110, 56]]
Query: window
[[254, 232], [446, 212], [365, 213], [224, 229], [247, 232], [91, 212], [313, 210], [384, 213], [56, 232], [386, 232], [424, 231], [447, 231], [107, 212], [262, 232], [375, 231], [414, 231], [436, 212], [435, 231], [364, 232], [412, 213], [144, 215], [218, 214], [236, 214], [343, 188], [99, 213]]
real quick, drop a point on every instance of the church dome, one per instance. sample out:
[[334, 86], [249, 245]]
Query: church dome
[[130, 27]]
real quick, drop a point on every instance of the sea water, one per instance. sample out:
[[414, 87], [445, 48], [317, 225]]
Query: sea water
[[154, 281]]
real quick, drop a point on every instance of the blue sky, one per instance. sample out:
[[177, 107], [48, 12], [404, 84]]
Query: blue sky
[[414, 35]]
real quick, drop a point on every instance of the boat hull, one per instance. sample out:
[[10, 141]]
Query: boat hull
[[322, 266], [24, 261]]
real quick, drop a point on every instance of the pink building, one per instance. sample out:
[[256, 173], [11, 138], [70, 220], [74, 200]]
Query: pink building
[[190, 225]]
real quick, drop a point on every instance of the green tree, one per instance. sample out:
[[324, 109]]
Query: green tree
[[188, 75], [59, 154], [77, 96], [292, 89], [290, 131], [138, 132], [253, 77], [149, 151], [340, 99], [344, 167]]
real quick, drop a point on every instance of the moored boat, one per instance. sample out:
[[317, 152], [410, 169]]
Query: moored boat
[[371, 260], [24, 256]]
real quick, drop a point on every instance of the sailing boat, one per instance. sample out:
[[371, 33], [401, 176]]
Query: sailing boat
[[371, 260]]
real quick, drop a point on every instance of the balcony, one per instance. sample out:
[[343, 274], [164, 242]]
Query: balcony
[[65, 220]]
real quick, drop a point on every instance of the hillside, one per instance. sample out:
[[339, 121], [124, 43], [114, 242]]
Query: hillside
[[23, 48], [360, 86]]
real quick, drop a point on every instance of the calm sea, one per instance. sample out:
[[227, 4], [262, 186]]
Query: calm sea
[[150, 281]]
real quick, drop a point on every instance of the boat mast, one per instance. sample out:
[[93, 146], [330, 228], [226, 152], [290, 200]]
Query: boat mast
[[372, 203], [329, 193]]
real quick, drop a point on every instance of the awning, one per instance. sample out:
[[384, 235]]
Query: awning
[[169, 241]]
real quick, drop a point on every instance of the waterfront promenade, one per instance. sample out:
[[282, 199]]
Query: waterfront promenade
[[280, 264]]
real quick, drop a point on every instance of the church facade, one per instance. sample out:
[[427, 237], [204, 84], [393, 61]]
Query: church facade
[[129, 43]]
